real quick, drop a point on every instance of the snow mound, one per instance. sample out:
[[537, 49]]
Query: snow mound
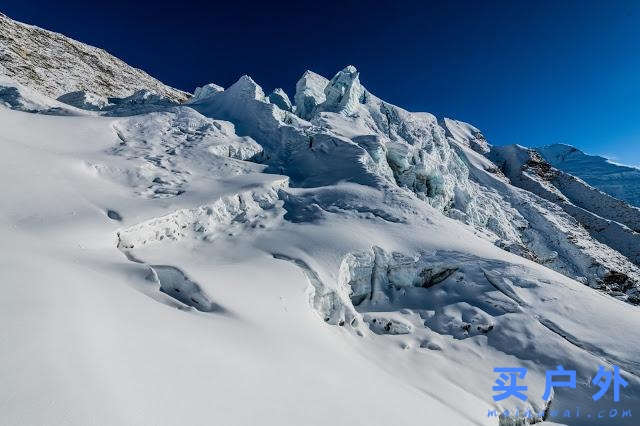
[[173, 149], [16, 96], [205, 92]]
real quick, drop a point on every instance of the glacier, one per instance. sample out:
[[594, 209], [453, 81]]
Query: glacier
[[234, 257]]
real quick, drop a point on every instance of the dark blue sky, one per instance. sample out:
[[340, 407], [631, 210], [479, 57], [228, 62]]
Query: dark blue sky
[[527, 72]]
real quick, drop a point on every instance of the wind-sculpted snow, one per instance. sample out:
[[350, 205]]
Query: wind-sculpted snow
[[13, 95], [227, 216], [177, 146], [54, 65]]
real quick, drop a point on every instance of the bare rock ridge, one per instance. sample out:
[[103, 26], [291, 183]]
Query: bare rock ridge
[[56, 65]]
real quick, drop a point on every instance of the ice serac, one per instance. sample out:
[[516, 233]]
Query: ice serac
[[55, 65], [622, 182], [204, 92], [344, 92], [247, 107], [309, 93], [279, 97]]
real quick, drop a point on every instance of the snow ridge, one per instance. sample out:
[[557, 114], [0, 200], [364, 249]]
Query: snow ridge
[[622, 182]]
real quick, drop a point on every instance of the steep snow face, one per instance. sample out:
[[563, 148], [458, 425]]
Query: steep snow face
[[619, 181], [619, 246], [55, 65], [466, 134]]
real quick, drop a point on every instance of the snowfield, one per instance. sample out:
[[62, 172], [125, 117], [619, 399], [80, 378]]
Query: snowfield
[[239, 259]]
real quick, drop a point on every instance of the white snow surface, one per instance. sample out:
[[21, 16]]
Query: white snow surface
[[346, 262]]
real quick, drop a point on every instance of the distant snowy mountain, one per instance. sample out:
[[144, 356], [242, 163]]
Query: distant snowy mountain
[[619, 181], [241, 259], [56, 65]]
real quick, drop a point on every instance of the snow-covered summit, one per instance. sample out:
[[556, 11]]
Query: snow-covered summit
[[55, 65], [620, 181]]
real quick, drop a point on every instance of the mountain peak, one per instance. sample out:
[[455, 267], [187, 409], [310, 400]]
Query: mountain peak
[[246, 87], [617, 180]]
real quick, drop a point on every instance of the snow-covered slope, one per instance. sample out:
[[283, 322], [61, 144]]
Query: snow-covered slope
[[622, 182], [608, 219], [240, 260], [55, 65]]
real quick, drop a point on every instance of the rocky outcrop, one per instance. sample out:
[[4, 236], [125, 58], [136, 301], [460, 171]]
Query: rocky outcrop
[[55, 65]]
